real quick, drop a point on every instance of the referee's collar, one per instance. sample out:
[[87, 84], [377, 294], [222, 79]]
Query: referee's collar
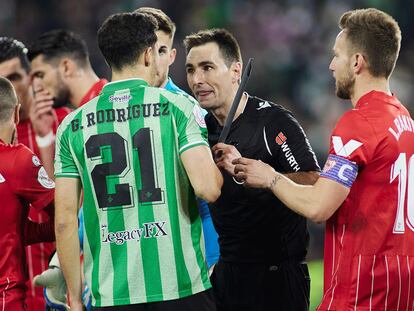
[[123, 84]]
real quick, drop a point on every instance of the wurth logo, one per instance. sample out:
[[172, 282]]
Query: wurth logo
[[280, 138]]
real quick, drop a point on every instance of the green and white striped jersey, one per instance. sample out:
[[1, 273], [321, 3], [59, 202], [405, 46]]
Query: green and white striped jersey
[[142, 231]]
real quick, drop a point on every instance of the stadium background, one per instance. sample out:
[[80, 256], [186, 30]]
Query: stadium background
[[290, 41]]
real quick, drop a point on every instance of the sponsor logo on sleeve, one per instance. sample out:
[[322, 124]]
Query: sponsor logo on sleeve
[[199, 117], [347, 149], [36, 161], [44, 179], [264, 104], [281, 140]]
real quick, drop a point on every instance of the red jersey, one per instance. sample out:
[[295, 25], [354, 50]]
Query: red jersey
[[369, 241], [23, 181], [93, 91], [38, 254]]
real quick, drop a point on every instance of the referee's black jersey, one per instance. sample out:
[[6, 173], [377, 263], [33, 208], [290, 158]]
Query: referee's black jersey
[[252, 224]]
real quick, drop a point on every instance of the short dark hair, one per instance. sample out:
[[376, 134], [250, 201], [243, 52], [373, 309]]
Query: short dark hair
[[8, 99], [227, 43], [123, 37], [165, 23], [11, 48], [376, 35], [58, 43]]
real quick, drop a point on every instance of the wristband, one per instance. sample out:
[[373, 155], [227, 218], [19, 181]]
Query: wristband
[[45, 141]]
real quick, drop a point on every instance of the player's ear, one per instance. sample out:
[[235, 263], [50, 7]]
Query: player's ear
[[67, 67], [236, 68], [173, 53], [358, 62], [148, 56]]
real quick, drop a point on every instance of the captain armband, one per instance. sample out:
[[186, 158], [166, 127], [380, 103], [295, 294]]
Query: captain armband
[[341, 170]]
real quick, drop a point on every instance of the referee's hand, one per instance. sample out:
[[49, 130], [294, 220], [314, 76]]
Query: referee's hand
[[224, 155]]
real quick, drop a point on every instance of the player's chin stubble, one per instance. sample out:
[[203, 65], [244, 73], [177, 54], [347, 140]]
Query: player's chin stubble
[[345, 87]]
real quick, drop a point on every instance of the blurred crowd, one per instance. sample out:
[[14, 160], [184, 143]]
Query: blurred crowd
[[290, 40]]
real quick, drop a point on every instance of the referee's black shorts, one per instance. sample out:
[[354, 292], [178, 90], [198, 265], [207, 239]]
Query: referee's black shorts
[[261, 287], [203, 301]]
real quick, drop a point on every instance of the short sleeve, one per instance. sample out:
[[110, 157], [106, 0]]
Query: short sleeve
[[32, 181], [288, 144], [353, 139], [351, 147], [64, 163], [190, 125]]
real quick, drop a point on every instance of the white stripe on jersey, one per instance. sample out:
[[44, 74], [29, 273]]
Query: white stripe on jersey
[[4, 294], [399, 283], [409, 283], [336, 271], [388, 283], [265, 140], [357, 289], [372, 283]]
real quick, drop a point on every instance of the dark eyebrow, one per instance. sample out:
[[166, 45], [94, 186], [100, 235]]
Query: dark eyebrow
[[200, 64]]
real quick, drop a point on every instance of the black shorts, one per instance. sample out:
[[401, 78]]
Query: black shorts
[[203, 301], [260, 287]]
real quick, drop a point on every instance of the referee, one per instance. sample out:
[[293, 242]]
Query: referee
[[263, 245]]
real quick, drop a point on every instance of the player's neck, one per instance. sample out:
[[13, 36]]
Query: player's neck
[[81, 86], [137, 72], [221, 113], [6, 133], [364, 86]]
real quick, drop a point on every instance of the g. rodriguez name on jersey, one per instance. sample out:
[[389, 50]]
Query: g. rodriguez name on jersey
[[121, 114]]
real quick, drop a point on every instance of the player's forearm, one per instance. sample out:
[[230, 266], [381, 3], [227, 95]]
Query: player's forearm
[[303, 178], [68, 249], [47, 157], [303, 199]]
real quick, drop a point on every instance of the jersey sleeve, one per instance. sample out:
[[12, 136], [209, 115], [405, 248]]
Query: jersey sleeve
[[32, 182], [287, 143], [64, 163], [191, 128], [351, 147]]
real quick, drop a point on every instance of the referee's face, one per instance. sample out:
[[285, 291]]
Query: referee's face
[[209, 77]]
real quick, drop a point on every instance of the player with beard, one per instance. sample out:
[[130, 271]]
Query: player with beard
[[60, 61], [366, 189], [165, 36], [23, 182], [31, 131], [263, 245], [154, 150]]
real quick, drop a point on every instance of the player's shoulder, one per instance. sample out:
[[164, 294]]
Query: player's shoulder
[[177, 96], [15, 149], [351, 120], [18, 156]]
